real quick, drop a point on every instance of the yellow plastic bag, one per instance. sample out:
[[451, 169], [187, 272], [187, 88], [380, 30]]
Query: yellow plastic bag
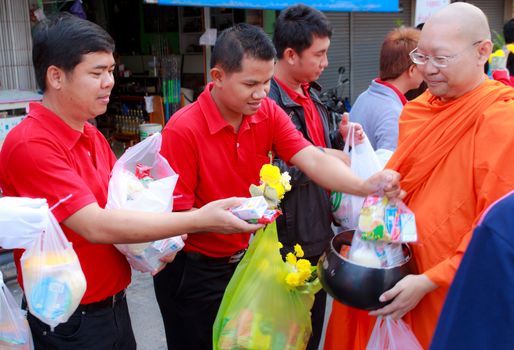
[[259, 310]]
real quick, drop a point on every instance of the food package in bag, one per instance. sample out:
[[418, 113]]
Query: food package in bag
[[14, 328], [53, 280], [381, 220], [143, 180]]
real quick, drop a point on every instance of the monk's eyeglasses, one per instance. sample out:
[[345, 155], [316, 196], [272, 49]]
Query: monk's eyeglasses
[[437, 61]]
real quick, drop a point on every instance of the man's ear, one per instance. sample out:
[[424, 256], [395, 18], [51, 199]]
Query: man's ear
[[290, 55], [54, 77], [484, 50], [217, 75], [412, 70]]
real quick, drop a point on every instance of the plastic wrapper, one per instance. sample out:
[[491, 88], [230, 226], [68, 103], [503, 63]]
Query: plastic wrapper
[[259, 310], [53, 280], [143, 180], [380, 220], [255, 210], [14, 328]]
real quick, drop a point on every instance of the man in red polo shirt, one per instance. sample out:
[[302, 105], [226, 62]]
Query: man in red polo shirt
[[54, 152], [218, 145]]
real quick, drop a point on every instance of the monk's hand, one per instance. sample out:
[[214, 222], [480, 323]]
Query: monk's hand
[[217, 217], [344, 127], [167, 258], [406, 294], [385, 182]]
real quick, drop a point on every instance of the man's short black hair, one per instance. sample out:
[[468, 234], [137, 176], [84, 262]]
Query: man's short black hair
[[296, 27], [508, 31], [241, 40], [62, 40]]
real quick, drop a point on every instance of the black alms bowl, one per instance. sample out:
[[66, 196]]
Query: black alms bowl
[[355, 285]]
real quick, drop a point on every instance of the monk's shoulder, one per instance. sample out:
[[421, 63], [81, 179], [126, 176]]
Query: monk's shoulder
[[497, 123]]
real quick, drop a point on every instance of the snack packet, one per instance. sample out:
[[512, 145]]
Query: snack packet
[[381, 220]]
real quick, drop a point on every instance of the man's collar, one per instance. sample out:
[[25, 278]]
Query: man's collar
[[213, 117], [55, 125], [287, 101]]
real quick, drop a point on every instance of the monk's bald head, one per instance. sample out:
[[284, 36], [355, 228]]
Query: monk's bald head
[[468, 21], [459, 37]]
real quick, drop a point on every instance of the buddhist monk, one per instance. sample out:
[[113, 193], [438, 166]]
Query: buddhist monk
[[455, 156]]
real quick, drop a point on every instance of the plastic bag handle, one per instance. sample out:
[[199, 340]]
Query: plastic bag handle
[[62, 200], [350, 138]]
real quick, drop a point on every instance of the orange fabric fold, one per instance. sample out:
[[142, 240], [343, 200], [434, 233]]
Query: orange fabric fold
[[455, 158]]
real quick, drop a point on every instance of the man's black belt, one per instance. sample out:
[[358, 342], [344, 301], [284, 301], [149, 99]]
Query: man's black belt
[[196, 256], [108, 302]]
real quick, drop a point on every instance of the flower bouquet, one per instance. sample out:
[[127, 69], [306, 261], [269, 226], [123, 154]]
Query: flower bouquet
[[268, 300]]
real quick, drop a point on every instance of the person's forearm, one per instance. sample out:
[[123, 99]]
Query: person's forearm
[[342, 180], [328, 172], [121, 226]]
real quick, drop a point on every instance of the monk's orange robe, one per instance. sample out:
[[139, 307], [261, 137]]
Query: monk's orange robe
[[455, 159]]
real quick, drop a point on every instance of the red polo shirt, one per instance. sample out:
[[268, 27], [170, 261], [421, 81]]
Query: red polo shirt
[[213, 161], [44, 158], [312, 118]]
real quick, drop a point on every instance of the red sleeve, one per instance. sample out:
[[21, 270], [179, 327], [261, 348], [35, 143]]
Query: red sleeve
[[287, 140], [38, 169], [183, 159], [503, 77]]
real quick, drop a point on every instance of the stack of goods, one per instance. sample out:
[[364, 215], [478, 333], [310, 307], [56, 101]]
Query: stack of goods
[[383, 227]]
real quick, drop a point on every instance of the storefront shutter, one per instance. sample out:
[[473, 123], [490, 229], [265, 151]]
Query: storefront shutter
[[16, 70], [339, 52], [368, 31]]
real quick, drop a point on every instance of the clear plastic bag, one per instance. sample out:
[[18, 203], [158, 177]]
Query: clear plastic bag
[[389, 334], [375, 254], [364, 163], [151, 192], [53, 280], [14, 328]]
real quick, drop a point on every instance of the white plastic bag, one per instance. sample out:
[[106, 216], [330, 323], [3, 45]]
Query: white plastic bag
[[53, 280], [392, 335], [14, 328], [364, 163], [127, 191], [21, 221]]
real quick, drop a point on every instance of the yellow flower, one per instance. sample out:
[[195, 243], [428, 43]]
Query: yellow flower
[[270, 174], [298, 251], [304, 276], [280, 245], [293, 279], [290, 258], [304, 265]]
